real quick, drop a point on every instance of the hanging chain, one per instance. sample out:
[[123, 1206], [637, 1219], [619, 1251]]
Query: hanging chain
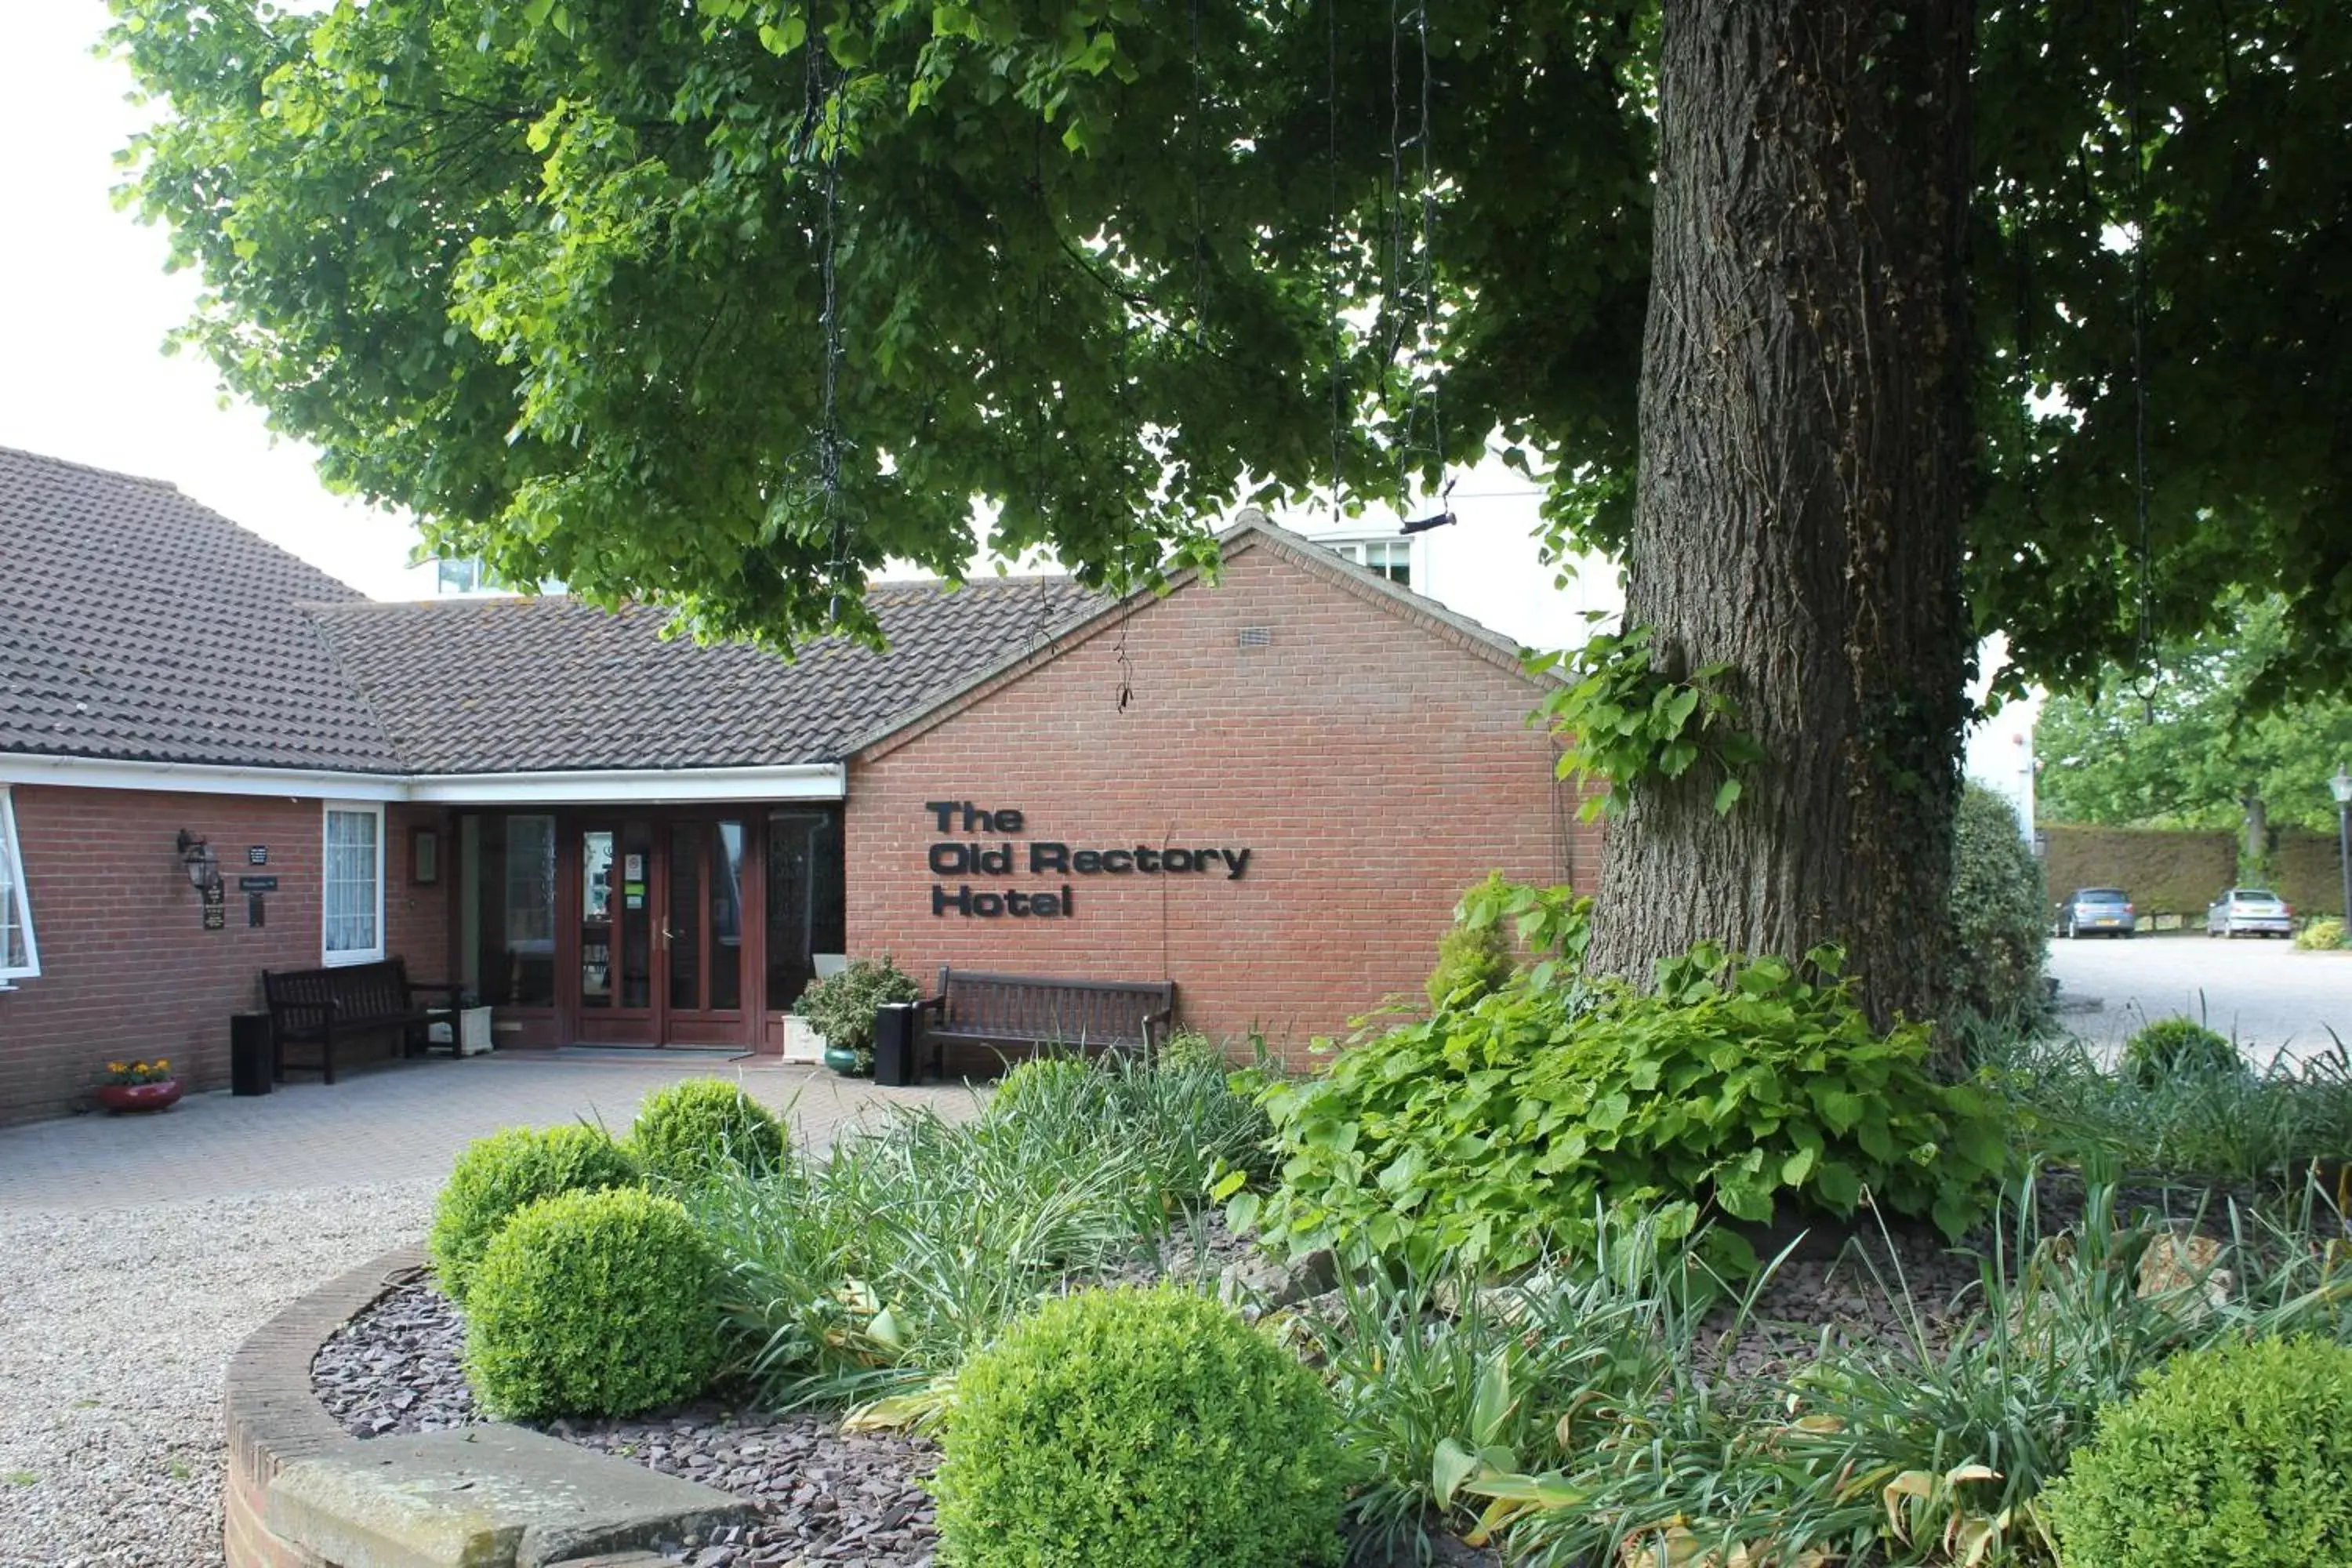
[[1412, 263], [826, 117], [2145, 658], [1335, 258]]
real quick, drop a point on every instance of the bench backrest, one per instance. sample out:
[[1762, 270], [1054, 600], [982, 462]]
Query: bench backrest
[[306, 998], [1066, 1012]]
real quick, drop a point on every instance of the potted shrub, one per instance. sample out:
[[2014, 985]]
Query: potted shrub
[[139, 1086], [841, 1008]]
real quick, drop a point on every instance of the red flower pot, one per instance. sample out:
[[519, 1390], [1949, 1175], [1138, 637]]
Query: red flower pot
[[161, 1096]]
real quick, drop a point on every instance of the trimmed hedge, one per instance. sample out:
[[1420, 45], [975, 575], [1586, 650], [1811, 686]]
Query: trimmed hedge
[[2178, 1047], [499, 1175], [594, 1303], [1146, 1428]]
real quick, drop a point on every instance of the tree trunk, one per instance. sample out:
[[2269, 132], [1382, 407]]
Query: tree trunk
[[2255, 862], [1804, 470]]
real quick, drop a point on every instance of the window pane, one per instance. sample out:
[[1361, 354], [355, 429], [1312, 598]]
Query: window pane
[[15, 913], [350, 883], [527, 956], [727, 917]]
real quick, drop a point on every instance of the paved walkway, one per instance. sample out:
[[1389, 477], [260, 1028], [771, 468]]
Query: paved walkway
[[2269, 997], [400, 1122]]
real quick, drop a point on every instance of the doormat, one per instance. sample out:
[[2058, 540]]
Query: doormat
[[652, 1053]]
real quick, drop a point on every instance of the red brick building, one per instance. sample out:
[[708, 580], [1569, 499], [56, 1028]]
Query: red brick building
[[1269, 790]]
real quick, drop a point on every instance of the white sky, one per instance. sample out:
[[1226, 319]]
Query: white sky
[[82, 372]]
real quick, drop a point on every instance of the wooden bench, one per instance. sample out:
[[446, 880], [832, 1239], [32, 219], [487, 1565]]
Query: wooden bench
[[1001, 1012], [329, 1006]]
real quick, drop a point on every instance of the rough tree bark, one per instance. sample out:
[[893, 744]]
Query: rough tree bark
[[1804, 479]]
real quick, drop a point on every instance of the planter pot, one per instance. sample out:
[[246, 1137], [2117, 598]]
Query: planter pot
[[840, 1060], [140, 1096], [802, 1043]]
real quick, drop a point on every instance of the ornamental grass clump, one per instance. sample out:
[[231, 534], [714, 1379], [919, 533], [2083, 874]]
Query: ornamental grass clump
[[697, 1126], [2230, 1457], [499, 1175], [1146, 1428], [594, 1303]]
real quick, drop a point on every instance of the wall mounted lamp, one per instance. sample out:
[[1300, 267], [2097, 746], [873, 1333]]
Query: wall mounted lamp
[[196, 859]]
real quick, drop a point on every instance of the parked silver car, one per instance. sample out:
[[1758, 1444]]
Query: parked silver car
[[2094, 912], [2255, 911]]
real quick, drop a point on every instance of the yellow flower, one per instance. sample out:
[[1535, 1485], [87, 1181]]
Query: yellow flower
[[163, 1064], [138, 1066], [116, 1067]]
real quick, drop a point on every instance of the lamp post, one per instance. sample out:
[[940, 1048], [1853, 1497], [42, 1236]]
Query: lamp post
[[2341, 785]]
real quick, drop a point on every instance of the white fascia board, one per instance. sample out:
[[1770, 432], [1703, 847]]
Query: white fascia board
[[800, 781], [199, 778], [803, 781]]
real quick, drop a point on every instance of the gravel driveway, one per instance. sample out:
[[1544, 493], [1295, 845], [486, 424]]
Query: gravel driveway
[[2264, 994], [137, 1253]]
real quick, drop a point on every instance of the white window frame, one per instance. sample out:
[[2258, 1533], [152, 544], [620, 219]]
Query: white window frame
[[327, 813], [1357, 548], [19, 897]]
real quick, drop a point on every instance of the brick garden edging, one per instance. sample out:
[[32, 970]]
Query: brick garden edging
[[491, 1495]]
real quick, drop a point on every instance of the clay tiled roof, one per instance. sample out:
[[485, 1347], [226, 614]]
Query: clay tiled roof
[[136, 625], [530, 685]]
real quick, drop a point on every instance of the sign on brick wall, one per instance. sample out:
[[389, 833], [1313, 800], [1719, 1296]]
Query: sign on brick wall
[[962, 852]]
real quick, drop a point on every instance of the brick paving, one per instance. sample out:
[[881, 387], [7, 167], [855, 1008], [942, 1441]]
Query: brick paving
[[400, 1122]]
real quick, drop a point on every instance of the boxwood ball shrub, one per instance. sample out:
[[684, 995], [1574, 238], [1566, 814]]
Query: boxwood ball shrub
[[2230, 1457], [697, 1126], [1146, 1428], [2322, 935], [497, 1175], [594, 1303], [2178, 1047], [1047, 1081]]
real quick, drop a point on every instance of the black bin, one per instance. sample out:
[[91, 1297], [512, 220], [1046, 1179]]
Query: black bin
[[895, 1038], [250, 1050]]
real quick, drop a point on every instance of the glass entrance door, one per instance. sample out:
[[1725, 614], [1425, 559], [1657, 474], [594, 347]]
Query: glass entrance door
[[661, 950], [704, 933]]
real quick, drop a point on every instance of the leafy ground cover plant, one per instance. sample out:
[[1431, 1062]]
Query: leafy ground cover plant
[[499, 1175], [594, 1303], [2232, 1457], [1148, 1428], [690, 1130], [1492, 1134], [871, 1274], [2178, 1048]]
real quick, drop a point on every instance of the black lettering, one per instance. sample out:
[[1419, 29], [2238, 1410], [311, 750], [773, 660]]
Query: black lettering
[[1008, 821], [940, 901], [1047, 854], [1086, 862], [996, 862], [976, 820], [1016, 903], [1118, 861], [1177, 859], [988, 905], [944, 810], [1044, 906], [1203, 858], [1068, 906], [1146, 858], [1235, 864], [949, 859]]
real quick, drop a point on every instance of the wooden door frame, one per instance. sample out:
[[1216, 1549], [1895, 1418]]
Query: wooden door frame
[[739, 1024], [699, 1027]]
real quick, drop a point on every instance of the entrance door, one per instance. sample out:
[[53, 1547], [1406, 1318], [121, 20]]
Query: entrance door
[[704, 933], [661, 930]]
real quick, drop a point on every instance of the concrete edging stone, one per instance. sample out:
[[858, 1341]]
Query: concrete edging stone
[[303, 1493]]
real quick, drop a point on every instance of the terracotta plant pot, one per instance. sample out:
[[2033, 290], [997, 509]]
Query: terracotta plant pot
[[159, 1096]]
